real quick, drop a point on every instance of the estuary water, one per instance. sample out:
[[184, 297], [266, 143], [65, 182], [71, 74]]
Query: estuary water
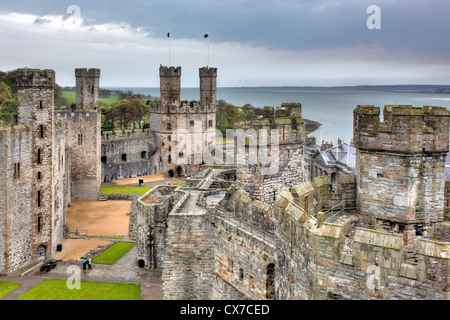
[[332, 107]]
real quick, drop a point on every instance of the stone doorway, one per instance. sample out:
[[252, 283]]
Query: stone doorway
[[171, 174], [41, 252]]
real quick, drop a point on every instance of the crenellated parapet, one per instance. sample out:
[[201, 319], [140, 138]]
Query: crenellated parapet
[[344, 260], [404, 129], [35, 78]]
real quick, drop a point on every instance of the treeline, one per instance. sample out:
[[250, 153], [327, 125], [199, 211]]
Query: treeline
[[124, 114], [228, 115], [107, 93], [8, 95]]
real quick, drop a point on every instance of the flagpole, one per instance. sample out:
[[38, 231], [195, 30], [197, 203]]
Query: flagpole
[[169, 48], [207, 65]]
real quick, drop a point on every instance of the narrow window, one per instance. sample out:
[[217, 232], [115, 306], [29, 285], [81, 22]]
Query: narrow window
[[143, 154], [210, 123], [17, 170], [191, 123], [39, 199], [38, 156], [380, 175], [41, 131], [169, 138], [39, 175], [103, 159], [80, 139], [39, 224], [241, 274], [41, 105], [124, 157], [170, 148], [169, 160], [169, 126]]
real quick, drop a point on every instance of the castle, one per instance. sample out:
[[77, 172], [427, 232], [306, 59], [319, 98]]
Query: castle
[[381, 233], [237, 230], [49, 158]]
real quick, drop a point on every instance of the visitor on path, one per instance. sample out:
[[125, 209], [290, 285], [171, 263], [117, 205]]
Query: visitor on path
[[84, 263], [89, 263]]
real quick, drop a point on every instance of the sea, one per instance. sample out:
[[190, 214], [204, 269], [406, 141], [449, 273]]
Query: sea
[[332, 107]]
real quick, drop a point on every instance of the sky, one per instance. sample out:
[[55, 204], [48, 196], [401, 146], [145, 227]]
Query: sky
[[251, 42]]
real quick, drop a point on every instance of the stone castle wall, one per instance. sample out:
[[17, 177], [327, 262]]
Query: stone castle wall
[[323, 260], [189, 254], [139, 150], [401, 166], [16, 204]]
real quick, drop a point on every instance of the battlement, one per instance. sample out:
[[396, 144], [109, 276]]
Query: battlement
[[125, 135], [35, 78], [208, 72], [169, 71], [88, 73], [404, 129]]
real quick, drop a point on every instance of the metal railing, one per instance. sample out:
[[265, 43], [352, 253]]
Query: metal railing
[[337, 209]]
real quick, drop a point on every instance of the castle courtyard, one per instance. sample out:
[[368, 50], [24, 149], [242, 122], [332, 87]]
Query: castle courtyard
[[99, 218]]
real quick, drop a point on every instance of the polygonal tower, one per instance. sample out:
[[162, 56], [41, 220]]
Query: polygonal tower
[[84, 136], [400, 167]]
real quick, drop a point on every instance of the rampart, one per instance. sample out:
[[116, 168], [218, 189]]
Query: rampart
[[318, 259]]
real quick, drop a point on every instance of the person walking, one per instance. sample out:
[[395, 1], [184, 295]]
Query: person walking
[[89, 263], [84, 263]]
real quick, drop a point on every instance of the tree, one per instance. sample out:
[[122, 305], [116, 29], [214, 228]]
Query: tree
[[125, 112], [142, 109], [5, 92], [9, 107], [248, 112], [60, 100], [231, 115]]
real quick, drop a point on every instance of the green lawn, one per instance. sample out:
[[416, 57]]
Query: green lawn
[[72, 98], [7, 287], [114, 253], [124, 190], [56, 289]]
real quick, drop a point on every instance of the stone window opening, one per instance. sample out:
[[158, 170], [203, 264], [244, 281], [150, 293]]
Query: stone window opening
[[210, 123], [169, 138], [169, 126], [80, 139], [17, 170], [181, 154], [38, 160], [124, 157], [270, 288], [41, 131], [103, 159], [39, 175], [191, 123], [39, 198], [39, 224], [143, 154], [241, 274], [41, 104], [169, 159], [380, 175], [170, 148]]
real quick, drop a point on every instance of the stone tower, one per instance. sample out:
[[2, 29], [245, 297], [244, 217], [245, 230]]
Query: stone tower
[[284, 166], [35, 99], [400, 167], [183, 129], [84, 136], [208, 102]]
